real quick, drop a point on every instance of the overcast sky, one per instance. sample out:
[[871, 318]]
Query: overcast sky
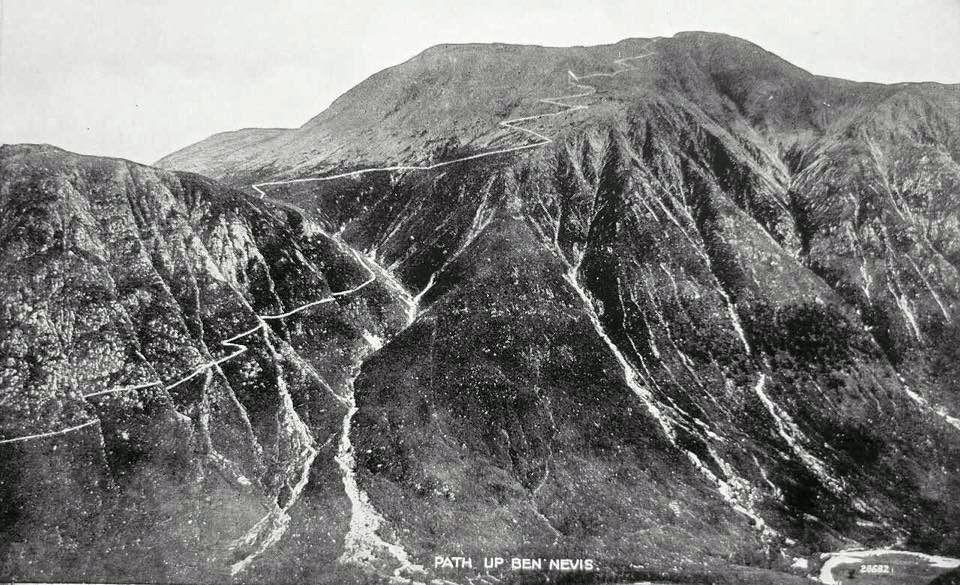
[[139, 79]]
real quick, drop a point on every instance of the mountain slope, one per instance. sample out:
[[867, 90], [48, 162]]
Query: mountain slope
[[677, 306], [449, 100], [716, 212]]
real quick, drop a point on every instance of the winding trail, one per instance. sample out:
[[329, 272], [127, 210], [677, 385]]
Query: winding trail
[[51, 433], [512, 124], [230, 343], [272, 526]]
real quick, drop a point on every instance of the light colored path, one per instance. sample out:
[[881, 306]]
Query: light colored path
[[230, 343], [50, 434]]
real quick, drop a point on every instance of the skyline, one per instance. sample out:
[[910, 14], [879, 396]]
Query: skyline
[[139, 81]]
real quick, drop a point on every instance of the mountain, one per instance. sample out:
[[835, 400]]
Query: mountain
[[671, 305]]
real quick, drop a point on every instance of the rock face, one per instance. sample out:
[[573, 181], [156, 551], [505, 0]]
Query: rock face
[[142, 319], [703, 320]]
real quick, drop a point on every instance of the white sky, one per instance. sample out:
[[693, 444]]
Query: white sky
[[139, 79]]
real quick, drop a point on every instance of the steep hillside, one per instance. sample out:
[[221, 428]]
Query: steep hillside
[[159, 370], [659, 254], [676, 306]]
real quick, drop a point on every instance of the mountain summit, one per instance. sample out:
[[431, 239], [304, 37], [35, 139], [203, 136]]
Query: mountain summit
[[450, 99], [673, 305]]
